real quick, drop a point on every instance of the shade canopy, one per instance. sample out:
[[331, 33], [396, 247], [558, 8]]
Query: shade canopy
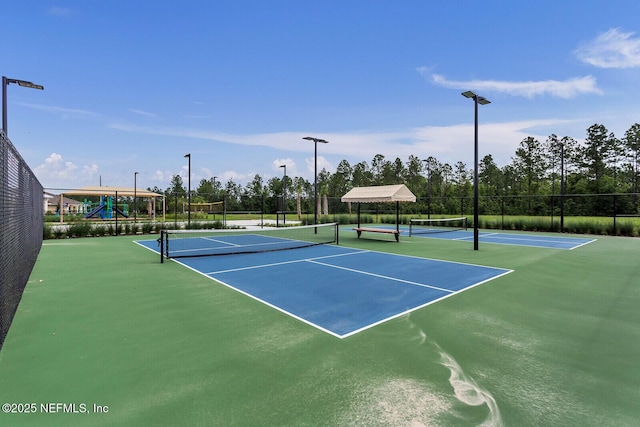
[[111, 191], [379, 194]]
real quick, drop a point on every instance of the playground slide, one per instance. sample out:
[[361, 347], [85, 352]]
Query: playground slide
[[122, 213], [95, 211]]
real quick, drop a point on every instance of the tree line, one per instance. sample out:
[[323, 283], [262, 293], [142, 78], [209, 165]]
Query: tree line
[[601, 164]]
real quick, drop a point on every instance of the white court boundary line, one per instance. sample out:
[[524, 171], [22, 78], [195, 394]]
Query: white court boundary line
[[354, 252], [524, 238], [314, 260], [380, 276], [251, 267]]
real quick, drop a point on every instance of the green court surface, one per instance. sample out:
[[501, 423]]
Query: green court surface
[[102, 322]]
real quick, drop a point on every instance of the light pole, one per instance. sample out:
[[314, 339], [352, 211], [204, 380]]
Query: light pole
[[188, 155], [482, 101], [135, 198], [214, 196], [284, 197], [5, 82], [426, 162], [315, 175], [562, 189]]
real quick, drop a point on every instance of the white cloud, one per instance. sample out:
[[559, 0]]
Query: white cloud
[[62, 111], [90, 170], [55, 169], [56, 172], [562, 89], [142, 113], [290, 163], [612, 49], [233, 175], [160, 176], [448, 143], [322, 164]]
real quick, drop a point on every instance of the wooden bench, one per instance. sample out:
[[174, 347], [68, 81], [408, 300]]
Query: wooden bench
[[396, 233]]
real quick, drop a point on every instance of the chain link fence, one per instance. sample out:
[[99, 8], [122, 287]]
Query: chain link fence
[[22, 211]]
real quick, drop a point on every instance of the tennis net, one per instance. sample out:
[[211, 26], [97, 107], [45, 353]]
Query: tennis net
[[196, 243], [426, 226]]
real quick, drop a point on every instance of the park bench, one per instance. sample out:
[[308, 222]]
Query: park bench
[[396, 233]]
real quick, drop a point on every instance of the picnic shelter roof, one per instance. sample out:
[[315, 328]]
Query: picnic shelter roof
[[111, 191], [379, 194]]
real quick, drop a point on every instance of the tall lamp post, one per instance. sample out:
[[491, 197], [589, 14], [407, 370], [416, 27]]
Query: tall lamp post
[[482, 101], [188, 155], [562, 189], [284, 197], [135, 198], [426, 162], [315, 175], [5, 82], [214, 196]]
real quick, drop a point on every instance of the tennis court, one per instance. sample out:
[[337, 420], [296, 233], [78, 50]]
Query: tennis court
[[338, 290], [102, 323], [567, 242]]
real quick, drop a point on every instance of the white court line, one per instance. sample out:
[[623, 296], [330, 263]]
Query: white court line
[[381, 276], [521, 237], [233, 245], [365, 327], [463, 238], [585, 243], [525, 239], [251, 267], [471, 237], [219, 241]]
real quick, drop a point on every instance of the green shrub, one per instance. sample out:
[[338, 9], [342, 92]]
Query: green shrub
[[47, 232], [79, 229], [626, 228], [59, 232], [99, 230]]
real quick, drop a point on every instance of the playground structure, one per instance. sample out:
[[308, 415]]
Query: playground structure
[[108, 207], [105, 209]]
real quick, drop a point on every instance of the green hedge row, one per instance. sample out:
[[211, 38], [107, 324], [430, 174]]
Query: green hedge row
[[629, 227], [88, 229]]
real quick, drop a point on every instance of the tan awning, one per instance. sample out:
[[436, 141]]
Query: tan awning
[[379, 194], [111, 191]]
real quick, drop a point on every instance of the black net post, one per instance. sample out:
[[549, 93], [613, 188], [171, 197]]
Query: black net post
[[162, 245]]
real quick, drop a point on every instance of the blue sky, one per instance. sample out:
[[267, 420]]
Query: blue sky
[[135, 85]]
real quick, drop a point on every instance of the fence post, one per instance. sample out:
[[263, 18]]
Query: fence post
[[614, 215]]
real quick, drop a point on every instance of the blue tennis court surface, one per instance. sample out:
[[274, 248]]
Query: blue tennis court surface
[[540, 241], [341, 291]]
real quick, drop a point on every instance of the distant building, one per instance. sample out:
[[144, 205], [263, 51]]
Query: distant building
[[70, 206]]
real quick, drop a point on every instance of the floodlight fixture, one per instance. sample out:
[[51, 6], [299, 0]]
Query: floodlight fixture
[[6, 82], [315, 174], [482, 101]]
